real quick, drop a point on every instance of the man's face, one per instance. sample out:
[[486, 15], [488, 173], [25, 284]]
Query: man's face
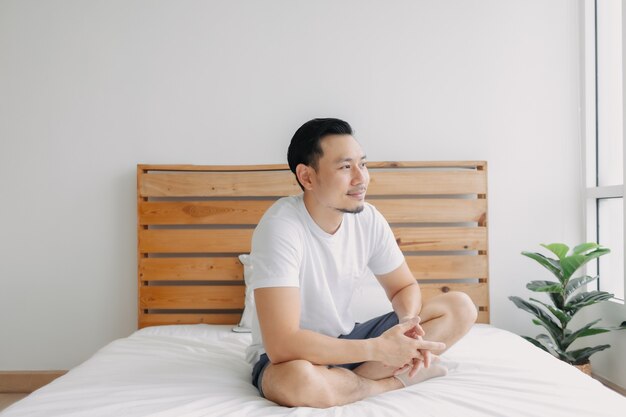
[[342, 177]]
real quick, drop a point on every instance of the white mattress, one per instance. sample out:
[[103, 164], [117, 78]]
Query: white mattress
[[200, 370]]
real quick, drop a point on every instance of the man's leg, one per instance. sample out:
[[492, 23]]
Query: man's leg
[[300, 383], [445, 318]]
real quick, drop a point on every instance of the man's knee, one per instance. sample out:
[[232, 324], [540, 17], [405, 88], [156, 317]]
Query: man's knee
[[462, 307], [297, 383]]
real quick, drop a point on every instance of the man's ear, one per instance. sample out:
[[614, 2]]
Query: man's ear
[[304, 174]]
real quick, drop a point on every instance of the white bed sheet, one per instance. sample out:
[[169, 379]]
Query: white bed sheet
[[200, 370]]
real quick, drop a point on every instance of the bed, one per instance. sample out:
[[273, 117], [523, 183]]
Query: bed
[[186, 360]]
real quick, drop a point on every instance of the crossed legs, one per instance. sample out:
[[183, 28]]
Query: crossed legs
[[445, 318]]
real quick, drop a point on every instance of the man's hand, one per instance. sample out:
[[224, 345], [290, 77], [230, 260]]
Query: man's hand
[[397, 347], [426, 355]]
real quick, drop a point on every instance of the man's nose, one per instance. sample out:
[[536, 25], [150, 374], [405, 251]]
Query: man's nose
[[359, 175]]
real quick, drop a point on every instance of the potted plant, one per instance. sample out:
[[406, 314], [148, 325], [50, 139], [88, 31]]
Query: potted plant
[[567, 299]]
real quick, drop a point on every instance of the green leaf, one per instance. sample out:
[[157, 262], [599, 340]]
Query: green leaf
[[560, 315], [544, 286], [586, 330], [559, 249], [584, 247], [557, 300], [572, 263], [585, 299], [547, 341], [551, 347], [576, 283], [620, 327], [600, 251], [550, 264], [580, 356], [544, 318]]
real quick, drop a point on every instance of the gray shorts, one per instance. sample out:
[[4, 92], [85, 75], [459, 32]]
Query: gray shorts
[[368, 330]]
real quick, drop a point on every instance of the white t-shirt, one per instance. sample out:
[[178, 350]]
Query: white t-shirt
[[290, 250]]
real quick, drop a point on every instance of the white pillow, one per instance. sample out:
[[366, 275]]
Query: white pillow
[[245, 323]]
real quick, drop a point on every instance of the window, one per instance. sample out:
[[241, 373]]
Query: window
[[604, 139]]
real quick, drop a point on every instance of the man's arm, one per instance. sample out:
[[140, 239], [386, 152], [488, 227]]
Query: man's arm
[[278, 310], [406, 299], [403, 291]]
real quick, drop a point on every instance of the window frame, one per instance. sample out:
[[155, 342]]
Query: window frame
[[592, 191]]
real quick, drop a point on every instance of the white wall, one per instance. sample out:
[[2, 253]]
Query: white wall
[[88, 89]]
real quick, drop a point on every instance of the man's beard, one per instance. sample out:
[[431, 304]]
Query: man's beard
[[356, 210]]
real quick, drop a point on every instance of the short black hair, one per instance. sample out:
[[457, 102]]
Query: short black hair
[[305, 147]]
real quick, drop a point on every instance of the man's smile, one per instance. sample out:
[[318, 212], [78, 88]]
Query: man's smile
[[358, 194]]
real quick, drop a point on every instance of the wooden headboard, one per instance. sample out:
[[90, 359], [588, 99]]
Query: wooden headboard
[[193, 222]]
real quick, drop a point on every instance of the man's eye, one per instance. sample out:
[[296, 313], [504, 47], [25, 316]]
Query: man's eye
[[345, 167], [363, 164]]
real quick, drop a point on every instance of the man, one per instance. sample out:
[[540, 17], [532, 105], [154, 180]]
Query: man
[[308, 252]]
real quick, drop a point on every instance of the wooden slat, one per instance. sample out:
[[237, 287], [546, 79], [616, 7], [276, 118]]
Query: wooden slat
[[232, 297], [190, 269], [426, 164], [280, 183], [276, 167], [441, 238], [476, 291], [202, 212], [167, 319], [160, 319], [195, 241], [220, 184], [251, 211], [427, 182], [447, 267], [140, 174], [483, 317], [192, 297], [238, 240], [431, 210]]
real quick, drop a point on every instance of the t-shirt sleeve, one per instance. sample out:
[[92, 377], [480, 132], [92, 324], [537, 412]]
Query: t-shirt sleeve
[[276, 254], [386, 255]]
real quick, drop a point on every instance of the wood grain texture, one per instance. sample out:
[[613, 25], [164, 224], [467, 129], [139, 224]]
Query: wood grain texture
[[441, 238], [249, 212], [431, 210], [475, 291], [427, 183], [232, 297], [203, 212], [161, 319], [239, 240], [195, 241], [277, 167], [448, 266], [483, 317], [220, 184], [218, 297], [282, 183], [190, 269]]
